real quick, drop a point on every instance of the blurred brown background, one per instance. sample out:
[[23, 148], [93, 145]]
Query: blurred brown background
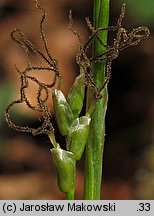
[[26, 170]]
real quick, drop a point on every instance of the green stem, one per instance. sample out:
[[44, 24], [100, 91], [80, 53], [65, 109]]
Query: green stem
[[70, 195], [95, 145]]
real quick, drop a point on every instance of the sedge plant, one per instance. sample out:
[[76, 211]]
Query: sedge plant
[[86, 132]]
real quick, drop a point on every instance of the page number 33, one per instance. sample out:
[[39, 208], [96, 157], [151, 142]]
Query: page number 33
[[144, 207]]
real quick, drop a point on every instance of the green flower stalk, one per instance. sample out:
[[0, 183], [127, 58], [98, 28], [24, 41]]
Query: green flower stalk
[[95, 144]]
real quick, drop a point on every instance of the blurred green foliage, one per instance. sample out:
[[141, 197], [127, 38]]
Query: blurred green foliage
[[6, 91], [5, 95], [142, 11]]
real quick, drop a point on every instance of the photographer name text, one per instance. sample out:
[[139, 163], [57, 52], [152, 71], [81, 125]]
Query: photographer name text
[[71, 207]]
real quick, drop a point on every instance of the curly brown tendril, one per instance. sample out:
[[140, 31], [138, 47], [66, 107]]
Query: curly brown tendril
[[43, 36], [81, 57], [19, 37], [45, 128], [122, 40], [41, 107], [83, 60], [95, 32]]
